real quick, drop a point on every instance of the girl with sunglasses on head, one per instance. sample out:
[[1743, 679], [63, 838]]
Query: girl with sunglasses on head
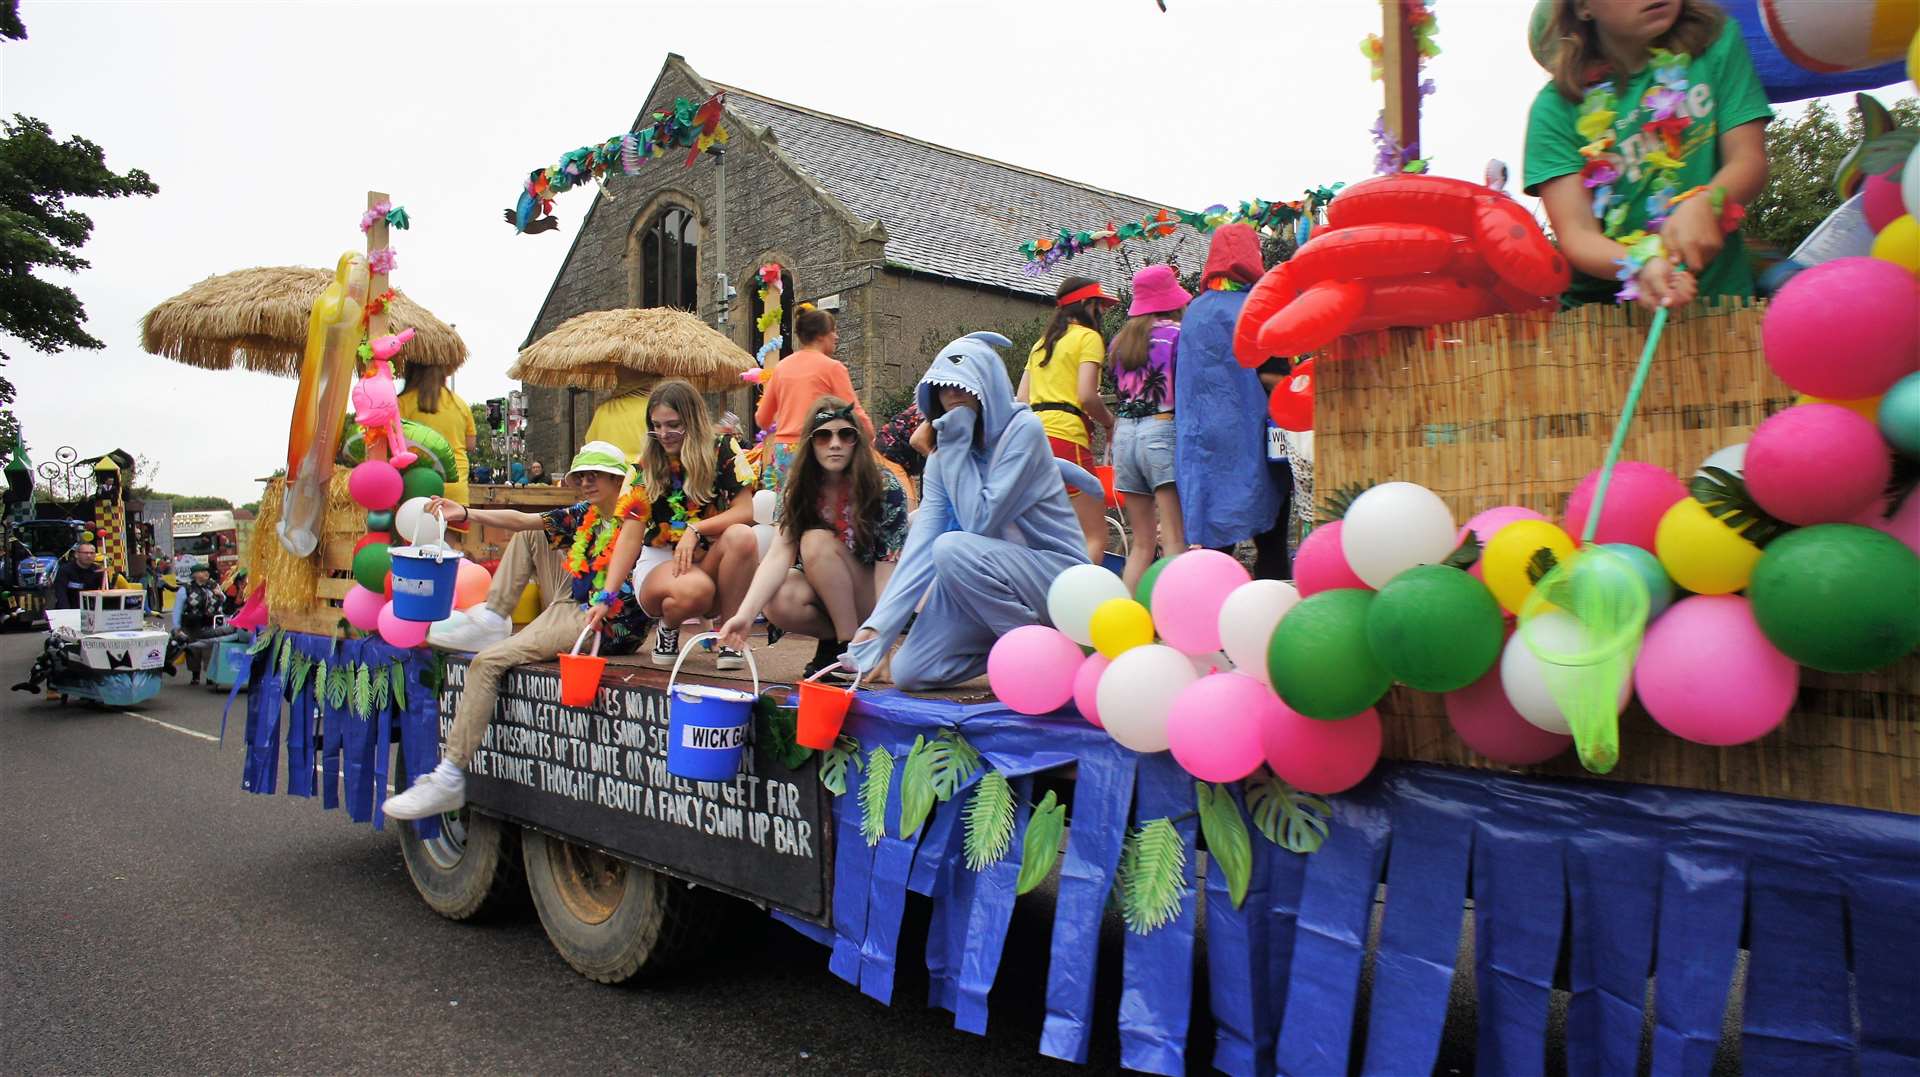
[[687, 530], [841, 516]]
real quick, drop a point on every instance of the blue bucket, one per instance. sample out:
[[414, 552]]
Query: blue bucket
[[707, 727], [424, 579]]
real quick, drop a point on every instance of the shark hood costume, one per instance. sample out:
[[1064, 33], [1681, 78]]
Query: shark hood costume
[[993, 530]]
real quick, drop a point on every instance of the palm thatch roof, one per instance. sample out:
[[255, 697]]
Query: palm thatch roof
[[605, 349], [257, 319]]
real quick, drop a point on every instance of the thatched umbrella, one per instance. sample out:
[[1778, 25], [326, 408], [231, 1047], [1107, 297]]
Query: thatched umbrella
[[257, 319], [617, 349]]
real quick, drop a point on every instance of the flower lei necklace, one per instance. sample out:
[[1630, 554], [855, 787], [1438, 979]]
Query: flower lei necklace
[[1598, 123], [593, 543]]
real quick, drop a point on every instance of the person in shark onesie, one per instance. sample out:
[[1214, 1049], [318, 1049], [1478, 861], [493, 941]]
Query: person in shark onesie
[[993, 530]]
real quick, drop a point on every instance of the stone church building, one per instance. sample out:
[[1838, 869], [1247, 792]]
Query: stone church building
[[899, 237]]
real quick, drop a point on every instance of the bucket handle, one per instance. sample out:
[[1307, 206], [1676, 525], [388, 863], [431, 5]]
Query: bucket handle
[[694, 642], [440, 543], [584, 633], [838, 665]]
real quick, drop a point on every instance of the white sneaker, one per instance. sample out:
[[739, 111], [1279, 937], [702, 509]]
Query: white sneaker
[[469, 630], [434, 793]]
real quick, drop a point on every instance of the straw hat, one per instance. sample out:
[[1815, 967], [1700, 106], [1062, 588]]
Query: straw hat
[[605, 349], [257, 319]]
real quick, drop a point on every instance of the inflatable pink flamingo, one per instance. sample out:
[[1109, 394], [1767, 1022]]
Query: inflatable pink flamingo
[[375, 405]]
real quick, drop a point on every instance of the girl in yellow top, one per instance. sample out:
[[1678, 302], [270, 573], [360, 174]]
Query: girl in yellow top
[[1062, 384], [427, 400]]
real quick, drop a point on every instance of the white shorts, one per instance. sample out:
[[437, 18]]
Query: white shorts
[[651, 557]]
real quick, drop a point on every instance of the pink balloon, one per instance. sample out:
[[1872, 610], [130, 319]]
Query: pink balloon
[[1817, 464], [1486, 524], [398, 632], [1321, 565], [1636, 499], [1844, 329], [1201, 580], [1482, 718], [470, 589], [1880, 200], [1213, 727], [1319, 756], [362, 608], [1032, 669], [1086, 687], [1903, 525], [375, 485], [1708, 675]]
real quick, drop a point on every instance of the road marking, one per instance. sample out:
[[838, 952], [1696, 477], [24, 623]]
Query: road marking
[[170, 725]]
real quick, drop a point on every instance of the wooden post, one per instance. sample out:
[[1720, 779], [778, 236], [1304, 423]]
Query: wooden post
[[1400, 62], [376, 239]]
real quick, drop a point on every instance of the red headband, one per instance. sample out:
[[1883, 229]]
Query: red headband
[[1091, 291]]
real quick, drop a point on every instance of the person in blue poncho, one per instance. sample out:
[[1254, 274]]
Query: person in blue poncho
[[1228, 490], [994, 527]]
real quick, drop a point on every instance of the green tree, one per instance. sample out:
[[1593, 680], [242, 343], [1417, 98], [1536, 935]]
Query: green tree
[[483, 454], [1802, 156], [38, 173]]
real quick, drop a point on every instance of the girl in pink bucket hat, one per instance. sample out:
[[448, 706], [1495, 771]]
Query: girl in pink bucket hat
[[1143, 360]]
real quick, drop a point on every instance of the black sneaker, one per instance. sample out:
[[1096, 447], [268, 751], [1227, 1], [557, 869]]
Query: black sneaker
[[666, 646], [774, 633], [825, 655], [726, 658]]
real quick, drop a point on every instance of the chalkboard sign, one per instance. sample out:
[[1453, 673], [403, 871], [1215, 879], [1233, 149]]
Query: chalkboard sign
[[598, 775]]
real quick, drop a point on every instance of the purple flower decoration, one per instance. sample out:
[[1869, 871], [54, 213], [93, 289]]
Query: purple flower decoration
[[1663, 101], [1427, 87], [382, 260]]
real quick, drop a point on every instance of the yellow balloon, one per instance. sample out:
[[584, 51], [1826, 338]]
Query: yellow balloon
[[1702, 554], [1899, 243], [1504, 560], [1119, 625], [1913, 60], [1867, 407]]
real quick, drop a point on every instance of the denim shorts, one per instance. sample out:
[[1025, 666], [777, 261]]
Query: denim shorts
[[1142, 454]]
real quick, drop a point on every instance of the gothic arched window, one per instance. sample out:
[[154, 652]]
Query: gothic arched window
[[670, 261]]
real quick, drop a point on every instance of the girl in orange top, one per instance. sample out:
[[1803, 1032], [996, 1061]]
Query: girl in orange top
[[798, 381]]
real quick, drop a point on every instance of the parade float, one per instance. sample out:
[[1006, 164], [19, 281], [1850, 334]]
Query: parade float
[[1715, 797]]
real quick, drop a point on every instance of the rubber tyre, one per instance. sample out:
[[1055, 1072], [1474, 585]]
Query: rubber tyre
[[643, 923], [469, 878]]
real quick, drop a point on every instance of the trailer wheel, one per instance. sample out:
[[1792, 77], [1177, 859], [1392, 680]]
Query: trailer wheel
[[471, 868], [611, 919]]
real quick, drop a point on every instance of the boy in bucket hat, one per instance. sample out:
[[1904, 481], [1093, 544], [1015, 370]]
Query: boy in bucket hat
[[583, 535]]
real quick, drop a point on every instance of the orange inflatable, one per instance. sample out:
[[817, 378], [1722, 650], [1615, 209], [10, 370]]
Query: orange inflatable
[[1401, 251]]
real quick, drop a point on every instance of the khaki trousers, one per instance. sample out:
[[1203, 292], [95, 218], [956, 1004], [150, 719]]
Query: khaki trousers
[[551, 633], [528, 557]]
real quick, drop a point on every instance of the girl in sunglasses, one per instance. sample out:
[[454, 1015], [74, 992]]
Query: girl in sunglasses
[[840, 517], [686, 531]]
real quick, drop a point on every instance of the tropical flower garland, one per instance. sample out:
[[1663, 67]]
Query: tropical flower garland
[[593, 543], [1388, 154], [694, 125], [1044, 253], [1600, 122]]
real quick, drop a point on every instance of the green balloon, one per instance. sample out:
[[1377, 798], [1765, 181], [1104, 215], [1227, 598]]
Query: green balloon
[[380, 520], [421, 481], [1143, 591], [371, 565], [1435, 628], [1319, 658], [1838, 597], [425, 440]]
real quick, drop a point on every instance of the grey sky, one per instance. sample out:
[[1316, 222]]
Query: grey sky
[[265, 123]]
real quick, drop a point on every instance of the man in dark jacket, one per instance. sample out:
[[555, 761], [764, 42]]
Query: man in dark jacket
[[82, 573], [203, 613]]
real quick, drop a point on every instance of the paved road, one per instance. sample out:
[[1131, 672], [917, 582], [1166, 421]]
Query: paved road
[[156, 919]]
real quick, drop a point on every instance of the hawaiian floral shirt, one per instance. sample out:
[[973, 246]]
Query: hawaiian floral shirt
[[626, 626]]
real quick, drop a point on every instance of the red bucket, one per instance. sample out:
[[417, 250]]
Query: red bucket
[[1104, 472], [580, 673], [823, 707]]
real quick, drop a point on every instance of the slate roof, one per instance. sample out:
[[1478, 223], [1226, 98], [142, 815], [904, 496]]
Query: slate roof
[[953, 214]]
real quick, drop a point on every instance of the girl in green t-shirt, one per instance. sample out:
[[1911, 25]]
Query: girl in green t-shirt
[[1644, 147]]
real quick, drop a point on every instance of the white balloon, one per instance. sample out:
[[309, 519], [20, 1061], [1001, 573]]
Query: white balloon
[[763, 533], [1393, 527], [409, 518], [1210, 663], [1075, 594], [1732, 459], [1910, 183], [763, 503], [1529, 682], [1139, 687], [1247, 620]]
